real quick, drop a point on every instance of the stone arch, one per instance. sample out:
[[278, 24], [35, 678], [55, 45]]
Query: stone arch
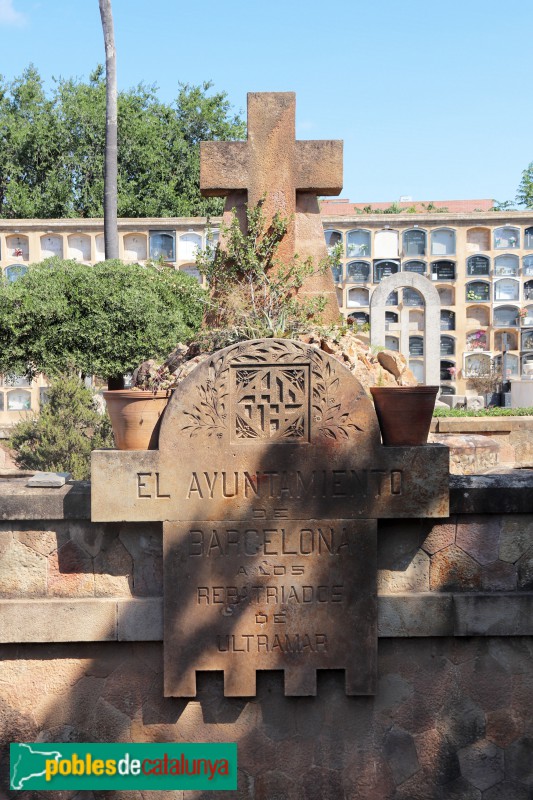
[[431, 321]]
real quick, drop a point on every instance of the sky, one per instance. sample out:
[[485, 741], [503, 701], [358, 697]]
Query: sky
[[431, 99]]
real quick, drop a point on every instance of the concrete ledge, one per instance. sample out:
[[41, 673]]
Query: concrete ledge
[[509, 492], [141, 620], [493, 615]]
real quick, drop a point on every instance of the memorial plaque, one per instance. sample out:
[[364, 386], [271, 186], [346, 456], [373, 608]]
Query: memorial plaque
[[270, 594], [269, 478]]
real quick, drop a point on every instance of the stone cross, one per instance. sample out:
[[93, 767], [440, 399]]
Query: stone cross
[[288, 173], [269, 480]]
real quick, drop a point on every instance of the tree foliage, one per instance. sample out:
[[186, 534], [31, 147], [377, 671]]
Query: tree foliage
[[524, 196], [62, 437], [63, 316], [53, 145]]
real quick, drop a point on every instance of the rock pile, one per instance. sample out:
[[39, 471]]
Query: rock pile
[[381, 368]]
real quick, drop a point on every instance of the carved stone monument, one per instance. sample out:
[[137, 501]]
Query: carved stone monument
[[269, 478], [288, 174]]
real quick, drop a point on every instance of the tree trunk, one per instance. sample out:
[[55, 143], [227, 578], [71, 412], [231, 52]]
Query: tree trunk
[[110, 170]]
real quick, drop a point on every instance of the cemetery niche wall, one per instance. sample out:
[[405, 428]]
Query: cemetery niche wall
[[269, 480]]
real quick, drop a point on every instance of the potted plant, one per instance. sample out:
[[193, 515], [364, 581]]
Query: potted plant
[[404, 413], [136, 413]]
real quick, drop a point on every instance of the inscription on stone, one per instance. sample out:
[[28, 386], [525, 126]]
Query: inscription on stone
[[269, 478], [256, 595]]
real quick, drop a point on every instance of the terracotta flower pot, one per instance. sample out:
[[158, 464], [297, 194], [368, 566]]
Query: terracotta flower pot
[[136, 417], [404, 413]]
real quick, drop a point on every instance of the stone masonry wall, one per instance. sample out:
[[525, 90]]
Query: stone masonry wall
[[81, 622]]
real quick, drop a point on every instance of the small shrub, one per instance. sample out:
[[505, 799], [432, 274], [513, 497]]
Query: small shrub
[[61, 438], [484, 412]]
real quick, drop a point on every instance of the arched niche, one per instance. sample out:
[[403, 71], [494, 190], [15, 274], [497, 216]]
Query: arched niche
[[414, 242], [528, 238], [446, 295], [51, 245], [506, 266], [391, 318], [15, 271], [392, 299], [447, 389], [99, 246], [188, 245], [79, 247], [417, 368], [477, 239], [358, 271], [512, 340], [512, 365], [477, 292], [384, 268], [443, 242], [477, 266], [18, 400], [527, 265], [448, 370], [359, 317], [416, 345], [506, 316], [528, 290], [447, 346], [443, 271], [477, 340], [506, 237], [476, 364], [420, 267], [386, 244], [447, 320], [477, 316], [135, 247], [358, 243], [425, 288], [332, 238], [336, 271], [17, 246], [412, 298], [526, 317], [162, 244], [357, 298], [527, 340], [506, 289], [192, 270]]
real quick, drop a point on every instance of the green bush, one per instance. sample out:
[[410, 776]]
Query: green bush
[[484, 412], [67, 317], [62, 437]]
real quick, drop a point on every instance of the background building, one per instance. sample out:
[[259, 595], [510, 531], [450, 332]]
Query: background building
[[480, 261]]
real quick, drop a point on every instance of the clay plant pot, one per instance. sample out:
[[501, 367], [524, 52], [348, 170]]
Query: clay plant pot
[[136, 417], [404, 413]]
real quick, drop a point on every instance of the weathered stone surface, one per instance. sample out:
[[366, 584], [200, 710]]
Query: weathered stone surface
[[494, 615], [441, 535], [499, 577], [518, 761], [43, 542], [298, 596], [507, 790], [394, 362], [482, 764], [57, 621], [272, 167], [140, 620], [525, 570], [49, 479], [479, 538], [451, 569], [516, 537], [113, 570], [400, 753], [414, 577], [70, 572], [416, 615], [503, 727], [22, 571]]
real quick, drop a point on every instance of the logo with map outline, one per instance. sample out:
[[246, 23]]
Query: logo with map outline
[[31, 763]]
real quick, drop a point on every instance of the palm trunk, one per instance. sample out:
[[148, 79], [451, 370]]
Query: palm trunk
[[110, 170]]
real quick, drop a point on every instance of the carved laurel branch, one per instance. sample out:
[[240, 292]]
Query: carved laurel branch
[[333, 421], [210, 414]]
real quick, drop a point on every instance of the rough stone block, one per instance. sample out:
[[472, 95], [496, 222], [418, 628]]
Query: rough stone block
[[499, 577], [503, 727], [525, 570], [452, 569], [140, 620], [441, 534], [518, 761], [52, 480], [493, 615], [22, 571], [516, 536], [58, 621], [414, 577], [70, 572], [479, 537], [113, 570], [400, 754], [415, 615]]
